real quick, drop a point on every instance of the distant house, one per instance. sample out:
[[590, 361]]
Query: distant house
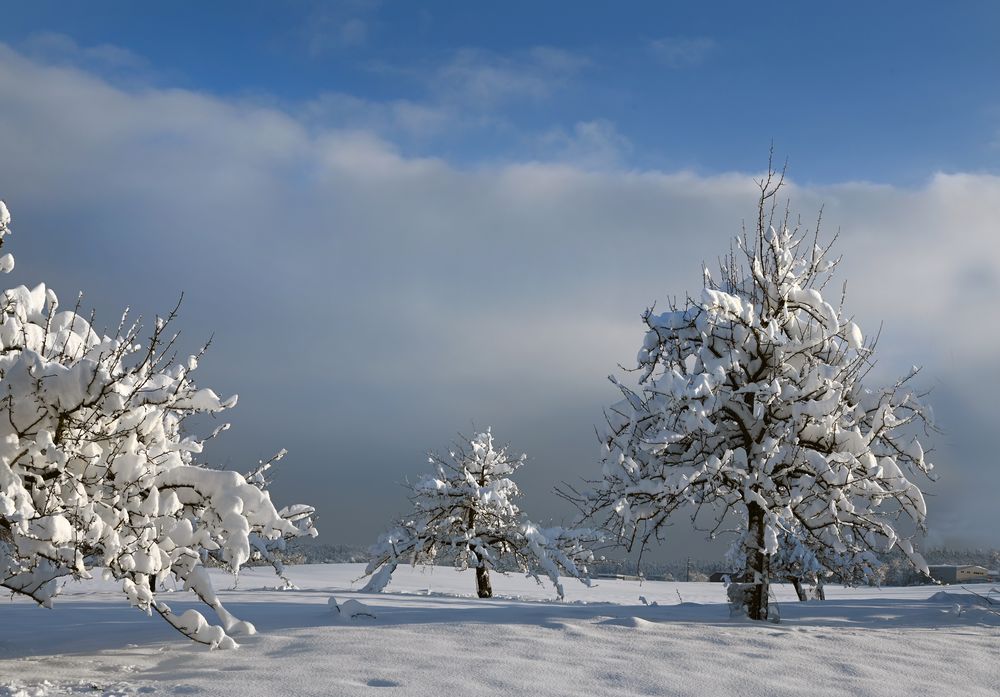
[[964, 573]]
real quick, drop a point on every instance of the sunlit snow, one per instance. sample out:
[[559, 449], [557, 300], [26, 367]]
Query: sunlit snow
[[432, 636]]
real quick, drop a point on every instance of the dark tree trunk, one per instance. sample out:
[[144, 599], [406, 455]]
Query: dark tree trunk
[[799, 589], [483, 587], [814, 591], [758, 564]]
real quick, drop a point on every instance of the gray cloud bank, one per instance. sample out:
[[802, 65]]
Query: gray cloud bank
[[367, 306]]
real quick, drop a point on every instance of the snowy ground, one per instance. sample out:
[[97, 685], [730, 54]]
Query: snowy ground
[[431, 637]]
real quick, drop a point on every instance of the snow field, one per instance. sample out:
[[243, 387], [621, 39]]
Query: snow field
[[431, 636]]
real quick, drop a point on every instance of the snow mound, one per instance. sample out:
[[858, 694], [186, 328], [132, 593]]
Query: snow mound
[[966, 598], [629, 622], [351, 609]]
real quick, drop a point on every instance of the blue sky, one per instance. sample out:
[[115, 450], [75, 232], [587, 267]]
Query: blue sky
[[402, 221], [889, 92]]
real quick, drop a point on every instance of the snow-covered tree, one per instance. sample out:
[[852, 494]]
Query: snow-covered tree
[[750, 405], [97, 470], [467, 511]]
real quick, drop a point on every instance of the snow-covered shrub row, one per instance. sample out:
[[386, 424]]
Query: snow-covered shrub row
[[467, 510], [750, 405], [98, 471]]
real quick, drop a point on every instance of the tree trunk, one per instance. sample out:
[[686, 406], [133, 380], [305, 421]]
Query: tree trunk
[[799, 589], [758, 564], [483, 587]]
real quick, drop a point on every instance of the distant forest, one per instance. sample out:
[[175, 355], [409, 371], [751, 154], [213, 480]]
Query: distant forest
[[896, 571]]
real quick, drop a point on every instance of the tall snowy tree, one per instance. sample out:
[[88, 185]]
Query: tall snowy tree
[[466, 510], [97, 470], [750, 404]]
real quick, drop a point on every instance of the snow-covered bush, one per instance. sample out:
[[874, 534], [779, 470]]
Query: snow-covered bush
[[98, 472], [750, 404], [466, 511]]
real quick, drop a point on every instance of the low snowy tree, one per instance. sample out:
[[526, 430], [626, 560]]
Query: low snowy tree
[[466, 511], [97, 469], [750, 405]]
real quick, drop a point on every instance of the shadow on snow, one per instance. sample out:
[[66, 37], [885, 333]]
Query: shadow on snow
[[81, 626]]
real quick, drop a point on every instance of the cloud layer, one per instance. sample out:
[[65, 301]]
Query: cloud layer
[[368, 305]]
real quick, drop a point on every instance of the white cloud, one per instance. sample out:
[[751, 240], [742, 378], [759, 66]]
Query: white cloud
[[682, 51], [338, 26], [591, 145], [481, 79], [328, 34], [397, 116], [52, 47], [470, 94], [354, 290]]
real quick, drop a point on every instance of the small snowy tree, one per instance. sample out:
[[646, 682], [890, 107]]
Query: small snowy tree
[[97, 470], [467, 509], [750, 404]]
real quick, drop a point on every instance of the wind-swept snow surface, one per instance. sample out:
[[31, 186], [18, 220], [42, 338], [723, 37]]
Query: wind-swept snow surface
[[430, 636]]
